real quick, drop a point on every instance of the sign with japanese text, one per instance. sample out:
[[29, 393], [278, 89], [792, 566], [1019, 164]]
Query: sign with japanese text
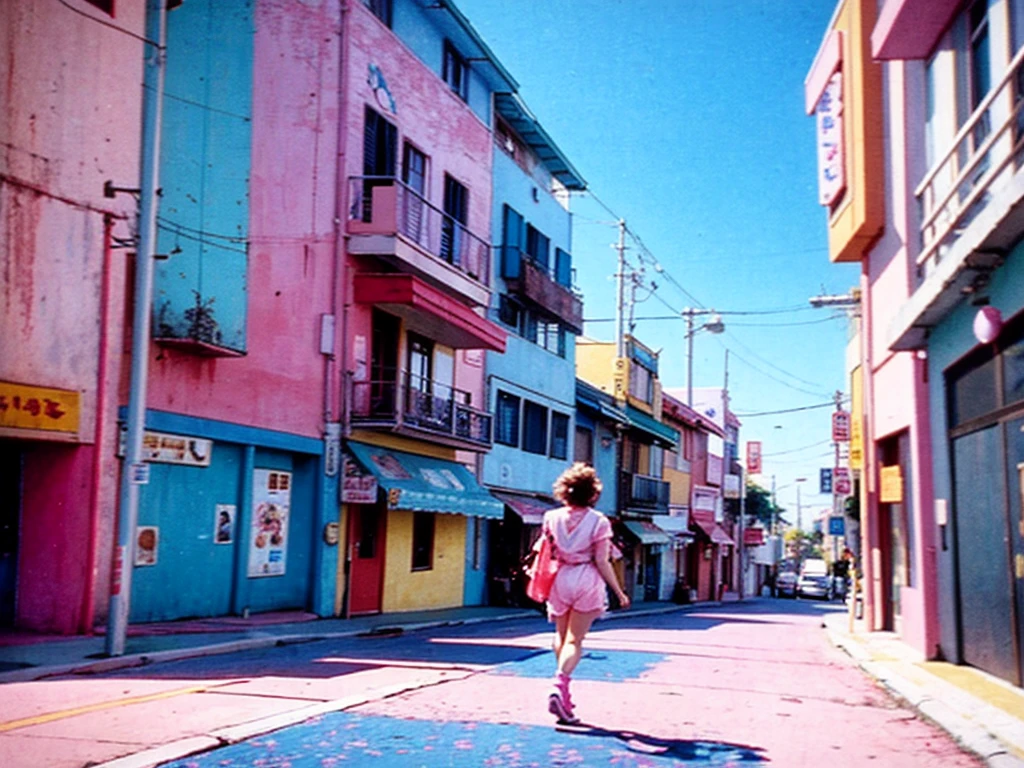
[[840, 426], [51, 410], [731, 487], [856, 445], [842, 485], [163, 448], [754, 457], [268, 542], [831, 168], [357, 485], [825, 480], [891, 485]]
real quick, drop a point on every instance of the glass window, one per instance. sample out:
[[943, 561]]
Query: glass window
[[381, 9], [506, 428], [583, 448], [1013, 373], [535, 428], [657, 461], [509, 311], [559, 436], [414, 169], [973, 393], [537, 246], [641, 383], [422, 541], [455, 71]]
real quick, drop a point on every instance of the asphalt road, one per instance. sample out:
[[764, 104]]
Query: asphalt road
[[733, 685]]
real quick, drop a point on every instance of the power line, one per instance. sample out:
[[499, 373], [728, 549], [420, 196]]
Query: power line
[[797, 450], [830, 404], [115, 27], [774, 378]]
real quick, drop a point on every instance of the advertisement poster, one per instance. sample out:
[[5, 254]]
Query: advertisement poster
[[224, 523], [268, 542], [357, 485], [147, 539]]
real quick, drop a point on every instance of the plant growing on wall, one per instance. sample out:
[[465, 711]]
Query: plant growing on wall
[[202, 325]]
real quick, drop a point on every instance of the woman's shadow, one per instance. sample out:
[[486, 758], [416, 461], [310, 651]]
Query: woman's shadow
[[715, 752]]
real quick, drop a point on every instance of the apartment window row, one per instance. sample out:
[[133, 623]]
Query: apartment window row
[[382, 9], [532, 326], [522, 239], [520, 423]]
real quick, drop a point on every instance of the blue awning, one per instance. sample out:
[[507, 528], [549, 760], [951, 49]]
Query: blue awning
[[424, 484], [663, 434]]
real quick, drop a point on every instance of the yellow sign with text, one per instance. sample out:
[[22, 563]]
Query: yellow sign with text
[[26, 407], [891, 491]]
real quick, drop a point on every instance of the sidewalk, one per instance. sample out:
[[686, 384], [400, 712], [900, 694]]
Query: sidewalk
[[985, 714], [32, 657]]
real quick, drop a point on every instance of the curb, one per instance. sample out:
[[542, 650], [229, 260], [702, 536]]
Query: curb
[[969, 735]]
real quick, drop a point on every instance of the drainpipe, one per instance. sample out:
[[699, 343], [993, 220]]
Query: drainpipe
[[85, 624], [133, 471], [340, 285]]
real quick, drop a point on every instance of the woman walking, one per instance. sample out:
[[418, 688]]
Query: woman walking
[[581, 538]]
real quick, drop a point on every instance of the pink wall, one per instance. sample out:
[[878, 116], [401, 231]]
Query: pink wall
[[438, 123], [279, 384]]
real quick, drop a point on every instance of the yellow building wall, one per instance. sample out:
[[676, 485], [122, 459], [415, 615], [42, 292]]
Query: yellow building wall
[[441, 586], [595, 363], [678, 487], [340, 579], [860, 216]]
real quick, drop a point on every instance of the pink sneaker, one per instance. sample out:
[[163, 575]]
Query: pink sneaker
[[557, 707]]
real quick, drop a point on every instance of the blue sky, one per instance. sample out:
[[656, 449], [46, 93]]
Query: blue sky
[[686, 119]]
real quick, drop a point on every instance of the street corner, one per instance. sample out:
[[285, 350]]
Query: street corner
[[345, 738]]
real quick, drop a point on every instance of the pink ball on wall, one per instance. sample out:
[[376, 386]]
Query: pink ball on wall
[[987, 324]]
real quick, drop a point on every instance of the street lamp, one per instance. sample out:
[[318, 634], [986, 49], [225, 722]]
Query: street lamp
[[714, 325], [799, 511]]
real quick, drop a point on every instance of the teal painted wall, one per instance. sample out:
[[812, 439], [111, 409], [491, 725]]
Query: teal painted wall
[[203, 225]]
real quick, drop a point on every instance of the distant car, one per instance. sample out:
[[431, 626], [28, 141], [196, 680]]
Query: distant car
[[815, 585], [785, 584]]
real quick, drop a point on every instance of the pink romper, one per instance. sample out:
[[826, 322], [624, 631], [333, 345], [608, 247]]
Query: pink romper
[[578, 584]]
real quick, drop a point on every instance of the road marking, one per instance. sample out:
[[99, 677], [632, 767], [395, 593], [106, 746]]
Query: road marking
[[66, 713]]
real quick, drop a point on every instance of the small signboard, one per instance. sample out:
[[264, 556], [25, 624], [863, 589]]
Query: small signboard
[[831, 157], [754, 457], [841, 482], [891, 485], [357, 485], [163, 448], [825, 480], [837, 525], [840, 427], [27, 407]]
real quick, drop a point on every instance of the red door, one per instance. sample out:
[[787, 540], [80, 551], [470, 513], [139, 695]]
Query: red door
[[366, 532]]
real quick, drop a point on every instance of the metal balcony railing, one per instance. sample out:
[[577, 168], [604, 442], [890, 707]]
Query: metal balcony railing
[[408, 400], [982, 157], [644, 492], [384, 205]]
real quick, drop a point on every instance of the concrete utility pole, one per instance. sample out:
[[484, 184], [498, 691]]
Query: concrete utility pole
[[836, 499], [620, 309], [134, 472]]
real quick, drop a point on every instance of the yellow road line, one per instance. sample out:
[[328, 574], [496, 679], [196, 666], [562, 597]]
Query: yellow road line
[[65, 713]]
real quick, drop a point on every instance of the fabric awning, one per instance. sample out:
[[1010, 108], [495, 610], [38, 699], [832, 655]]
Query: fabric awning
[[715, 532], [424, 484], [530, 508], [676, 525], [663, 434], [646, 533]]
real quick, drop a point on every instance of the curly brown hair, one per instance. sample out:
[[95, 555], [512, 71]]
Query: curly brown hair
[[578, 486]]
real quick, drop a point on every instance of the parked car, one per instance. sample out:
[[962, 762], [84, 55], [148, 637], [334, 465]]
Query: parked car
[[815, 580], [785, 584]]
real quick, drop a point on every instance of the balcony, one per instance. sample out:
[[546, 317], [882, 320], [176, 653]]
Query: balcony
[[534, 282], [386, 218], [971, 205], [643, 493], [422, 408]]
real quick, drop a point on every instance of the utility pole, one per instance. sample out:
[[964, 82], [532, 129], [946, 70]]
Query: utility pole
[[689, 357], [836, 499], [620, 308], [134, 472]]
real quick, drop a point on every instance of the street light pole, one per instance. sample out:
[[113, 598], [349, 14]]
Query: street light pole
[[714, 325]]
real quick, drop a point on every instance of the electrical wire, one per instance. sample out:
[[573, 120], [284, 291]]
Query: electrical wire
[[830, 404], [105, 23], [797, 450], [773, 378]]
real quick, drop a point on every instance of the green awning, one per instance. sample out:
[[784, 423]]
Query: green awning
[[663, 434], [423, 484]]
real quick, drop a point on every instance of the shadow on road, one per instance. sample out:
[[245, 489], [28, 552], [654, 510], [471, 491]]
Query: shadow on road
[[689, 750]]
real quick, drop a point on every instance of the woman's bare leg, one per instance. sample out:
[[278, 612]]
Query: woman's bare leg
[[561, 627], [572, 646]]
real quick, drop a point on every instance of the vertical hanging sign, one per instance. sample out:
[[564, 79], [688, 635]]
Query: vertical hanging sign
[[753, 457], [831, 169]]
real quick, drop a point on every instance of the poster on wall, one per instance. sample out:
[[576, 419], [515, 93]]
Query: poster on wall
[[268, 542], [147, 539], [224, 523]]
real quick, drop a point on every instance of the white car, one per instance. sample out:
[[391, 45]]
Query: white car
[[815, 580]]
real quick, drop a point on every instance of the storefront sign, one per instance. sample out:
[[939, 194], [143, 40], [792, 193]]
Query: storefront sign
[[856, 444], [357, 485], [619, 375], [840, 426], [825, 480], [754, 457], [268, 543], [842, 485], [163, 448], [50, 410], [891, 491], [731, 487], [831, 167]]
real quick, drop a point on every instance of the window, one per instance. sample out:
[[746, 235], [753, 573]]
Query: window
[[455, 71], [559, 436], [657, 461], [537, 247], [511, 242], [414, 169], [506, 417], [380, 142], [563, 268], [583, 448], [535, 428], [456, 207], [641, 383], [107, 6], [423, 541], [509, 311], [421, 353], [381, 9], [551, 336]]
